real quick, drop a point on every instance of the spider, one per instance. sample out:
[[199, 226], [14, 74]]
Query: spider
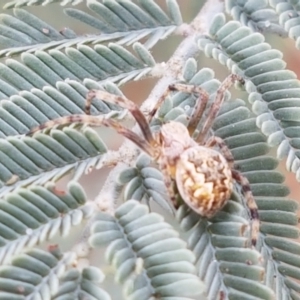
[[204, 176]]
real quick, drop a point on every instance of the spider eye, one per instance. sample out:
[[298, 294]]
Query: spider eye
[[204, 180]]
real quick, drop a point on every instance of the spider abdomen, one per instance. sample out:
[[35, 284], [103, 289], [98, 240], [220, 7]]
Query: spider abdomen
[[204, 180]]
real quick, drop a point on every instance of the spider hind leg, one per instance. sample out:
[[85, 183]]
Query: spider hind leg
[[251, 204], [243, 181]]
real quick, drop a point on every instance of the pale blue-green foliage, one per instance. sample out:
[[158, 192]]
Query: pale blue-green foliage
[[221, 253], [289, 19], [81, 285], [147, 253], [34, 274], [48, 76], [48, 84], [237, 126], [59, 152], [117, 20], [273, 90], [20, 3], [255, 14], [144, 182], [30, 217], [47, 70], [33, 215], [44, 157]]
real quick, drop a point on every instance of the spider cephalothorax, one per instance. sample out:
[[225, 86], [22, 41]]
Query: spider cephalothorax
[[174, 138], [203, 175]]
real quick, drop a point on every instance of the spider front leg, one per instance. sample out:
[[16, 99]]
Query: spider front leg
[[243, 181], [215, 108], [124, 103], [98, 121], [158, 104], [199, 107]]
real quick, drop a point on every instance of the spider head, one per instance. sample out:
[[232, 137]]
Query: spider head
[[175, 135], [174, 139]]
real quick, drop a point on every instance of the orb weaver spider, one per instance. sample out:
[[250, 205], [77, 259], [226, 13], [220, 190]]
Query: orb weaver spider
[[203, 175]]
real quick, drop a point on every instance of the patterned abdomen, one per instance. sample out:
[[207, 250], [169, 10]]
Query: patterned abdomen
[[204, 180]]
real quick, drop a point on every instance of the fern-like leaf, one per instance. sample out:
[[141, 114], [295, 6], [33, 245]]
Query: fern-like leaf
[[20, 3], [122, 20], [36, 214], [229, 230], [48, 75], [41, 70], [274, 91], [288, 12], [256, 15], [23, 160], [34, 274], [148, 256], [81, 285], [266, 90]]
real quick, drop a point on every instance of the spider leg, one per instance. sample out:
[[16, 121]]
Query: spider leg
[[198, 110], [243, 181], [159, 103], [200, 103], [252, 206], [88, 103], [127, 104], [190, 89], [98, 121], [215, 108], [163, 166], [217, 141]]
